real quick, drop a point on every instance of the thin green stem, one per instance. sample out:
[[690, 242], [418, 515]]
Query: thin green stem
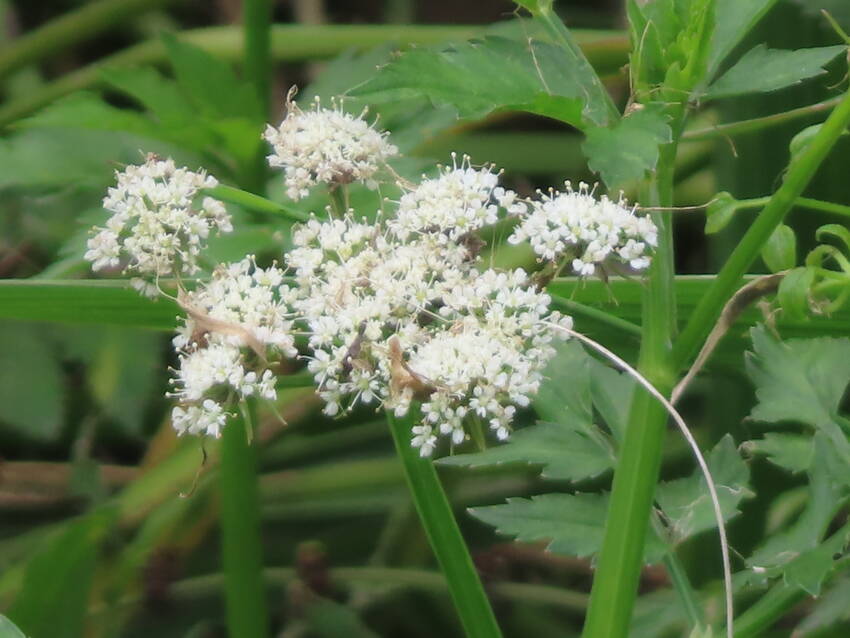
[[734, 129], [621, 556], [599, 316], [802, 202], [683, 587], [242, 558], [799, 174], [442, 530], [68, 29], [256, 203]]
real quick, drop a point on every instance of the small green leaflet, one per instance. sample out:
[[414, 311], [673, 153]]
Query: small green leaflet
[[762, 69], [794, 452], [627, 150], [734, 19], [481, 76]]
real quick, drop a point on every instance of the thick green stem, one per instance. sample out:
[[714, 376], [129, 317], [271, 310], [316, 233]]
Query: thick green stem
[[799, 174], [437, 518], [70, 28], [256, 18], [621, 557], [240, 535]]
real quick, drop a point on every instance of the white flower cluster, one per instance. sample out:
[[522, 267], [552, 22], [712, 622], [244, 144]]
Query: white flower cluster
[[234, 326], [326, 146], [575, 224], [156, 221], [459, 201]]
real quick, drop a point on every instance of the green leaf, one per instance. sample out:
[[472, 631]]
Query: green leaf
[[574, 524], [481, 76], [836, 231], [87, 111], [32, 392], [564, 451], [629, 149], [734, 19], [686, 502], [54, 596], [92, 301], [780, 250], [762, 69], [807, 531], [8, 629], [808, 570], [211, 84], [123, 373], [612, 393], [794, 291], [794, 452], [720, 212], [330, 619], [564, 395], [801, 380]]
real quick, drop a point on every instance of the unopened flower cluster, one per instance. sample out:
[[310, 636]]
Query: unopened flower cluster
[[395, 312], [326, 146], [574, 223], [157, 225]]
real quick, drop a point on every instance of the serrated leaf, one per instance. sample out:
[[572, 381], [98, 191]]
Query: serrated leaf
[[794, 452], [629, 149], [799, 380], [829, 610], [574, 524], [808, 570], [720, 212], [762, 69], [612, 393], [32, 392], [686, 502], [564, 451], [481, 76], [780, 250], [564, 395], [807, 531], [734, 19]]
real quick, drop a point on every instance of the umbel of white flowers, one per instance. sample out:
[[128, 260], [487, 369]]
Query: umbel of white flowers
[[394, 311]]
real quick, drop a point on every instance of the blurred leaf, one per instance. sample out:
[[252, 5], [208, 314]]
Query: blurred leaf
[[762, 69], [780, 250], [794, 452], [686, 502], [211, 84], [123, 374], [794, 291], [612, 393], [800, 380], [329, 619], [92, 301], [8, 629], [564, 451], [629, 149], [32, 393], [86, 110], [564, 395], [734, 19], [481, 76], [720, 212], [827, 611], [574, 524], [53, 600]]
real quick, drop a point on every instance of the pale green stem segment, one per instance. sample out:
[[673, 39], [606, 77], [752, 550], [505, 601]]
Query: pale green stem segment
[[256, 203], [800, 173], [256, 18], [632, 493], [802, 202], [443, 533], [575, 308], [242, 558], [68, 29]]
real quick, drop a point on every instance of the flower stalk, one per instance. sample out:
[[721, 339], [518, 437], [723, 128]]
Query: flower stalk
[[443, 533]]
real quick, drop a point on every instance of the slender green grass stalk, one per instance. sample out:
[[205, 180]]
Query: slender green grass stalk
[[256, 18], [242, 558], [437, 518], [802, 202], [599, 316], [68, 29], [256, 203], [800, 173], [604, 49]]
